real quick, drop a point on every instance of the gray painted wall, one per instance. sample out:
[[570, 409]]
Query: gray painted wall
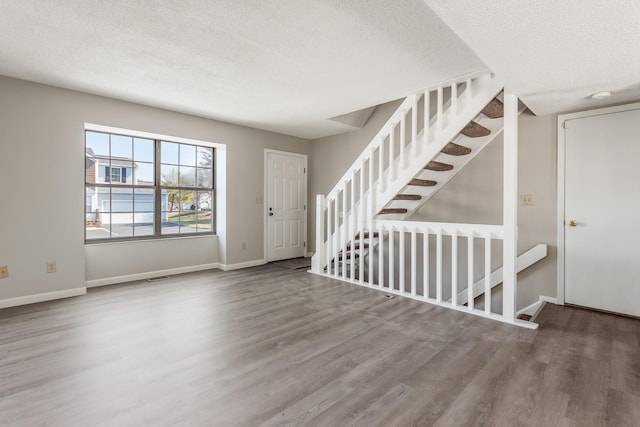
[[331, 157], [42, 164]]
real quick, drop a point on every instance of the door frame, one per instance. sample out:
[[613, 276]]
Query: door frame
[[265, 198], [560, 226]]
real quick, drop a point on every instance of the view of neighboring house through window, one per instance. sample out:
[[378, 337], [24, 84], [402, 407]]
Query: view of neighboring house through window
[[138, 187]]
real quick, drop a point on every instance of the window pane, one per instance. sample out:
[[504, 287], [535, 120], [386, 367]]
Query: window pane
[[188, 200], [143, 150], [205, 157], [170, 222], [205, 213], [187, 176], [143, 224], [97, 144], [169, 152], [121, 224], [170, 200], [204, 223], [204, 178], [187, 155], [121, 147], [121, 172], [143, 174], [205, 201], [97, 207], [122, 200], [169, 175], [143, 201]]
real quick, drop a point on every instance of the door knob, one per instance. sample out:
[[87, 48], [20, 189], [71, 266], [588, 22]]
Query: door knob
[[270, 213], [573, 223]]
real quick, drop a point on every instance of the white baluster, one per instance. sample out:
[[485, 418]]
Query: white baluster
[[372, 204], [454, 267], [361, 221], [320, 242], [414, 261], [469, 89], [352, 232], [380, 256], [381, 182], [401, 262], [337, 233], [330, 255], [454, 98], [344, 236], [427, 116], [470, 272], [392, 152], [425, 261], [487, 274], [439, 265], [403, 138], [392, 257], [414, 124], [440, 107]]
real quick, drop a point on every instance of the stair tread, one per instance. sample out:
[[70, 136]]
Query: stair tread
[[423, 182], [348, 256], [407, 197], [454, 149], [438, 166], [357, 246], [494, 109], [366, 235], [392, 211], [475, 130]]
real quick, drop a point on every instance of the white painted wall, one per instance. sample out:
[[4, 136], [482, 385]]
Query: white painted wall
[[42, 166]]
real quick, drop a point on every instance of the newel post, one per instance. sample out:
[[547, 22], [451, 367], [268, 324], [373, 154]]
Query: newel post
[[510, 205], [318, 260]]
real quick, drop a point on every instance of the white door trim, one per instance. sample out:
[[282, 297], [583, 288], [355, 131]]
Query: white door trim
[[265, 212], [562, 119]]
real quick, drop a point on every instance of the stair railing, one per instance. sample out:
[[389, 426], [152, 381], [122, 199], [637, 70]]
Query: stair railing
[[349, 209]]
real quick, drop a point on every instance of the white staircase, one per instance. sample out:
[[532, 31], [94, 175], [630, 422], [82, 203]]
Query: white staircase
[[359, 240]]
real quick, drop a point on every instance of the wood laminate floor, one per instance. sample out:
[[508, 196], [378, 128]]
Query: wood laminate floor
[[273, 346]]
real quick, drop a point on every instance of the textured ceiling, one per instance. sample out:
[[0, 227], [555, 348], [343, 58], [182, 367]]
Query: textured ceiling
[[281, 65], [554, 53]]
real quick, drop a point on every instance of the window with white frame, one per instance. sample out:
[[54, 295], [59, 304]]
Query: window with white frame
[[145, 188]]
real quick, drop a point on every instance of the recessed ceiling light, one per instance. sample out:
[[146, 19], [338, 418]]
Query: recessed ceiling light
[[601, 95]]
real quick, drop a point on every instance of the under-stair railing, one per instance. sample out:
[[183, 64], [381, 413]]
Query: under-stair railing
[[437, 263], [401, 148]]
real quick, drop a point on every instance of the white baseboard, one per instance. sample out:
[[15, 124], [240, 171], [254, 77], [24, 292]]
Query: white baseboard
[[47, 296], [247, 264], [150, 274]]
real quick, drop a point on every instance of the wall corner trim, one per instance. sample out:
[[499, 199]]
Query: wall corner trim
[[149, 274], [47, 296]]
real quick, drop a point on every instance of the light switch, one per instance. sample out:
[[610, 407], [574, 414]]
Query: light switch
[[526, 199]]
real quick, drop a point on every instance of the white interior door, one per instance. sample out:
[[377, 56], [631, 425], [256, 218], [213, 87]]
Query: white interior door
[[602, 197], [286, 206]]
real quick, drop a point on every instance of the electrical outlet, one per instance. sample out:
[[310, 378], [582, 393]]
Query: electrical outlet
[[51, 267], [244, 246], [526, 199], [4, 272]]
